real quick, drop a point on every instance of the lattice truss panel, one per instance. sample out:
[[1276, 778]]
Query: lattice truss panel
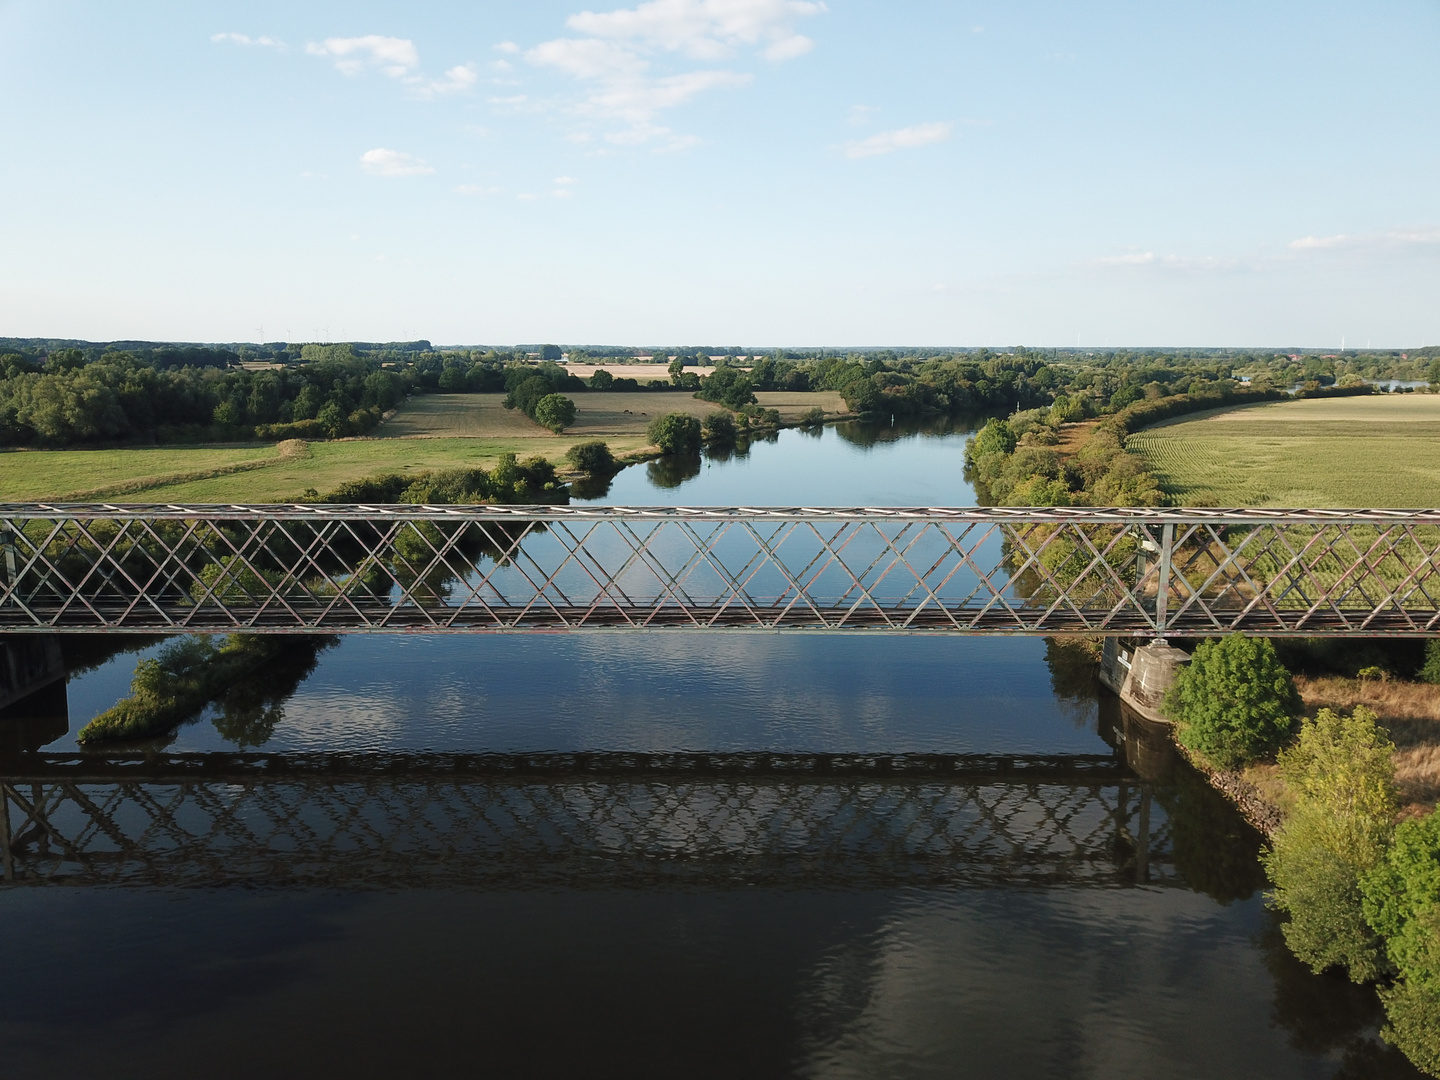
[[356, 568], [535, 831]]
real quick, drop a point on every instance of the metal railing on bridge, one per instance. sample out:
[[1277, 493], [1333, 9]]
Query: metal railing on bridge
[[436, 569]]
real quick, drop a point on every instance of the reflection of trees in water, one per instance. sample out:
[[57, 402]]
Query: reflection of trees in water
[[591, 487], [1328, 1014], [672, 470], [252, 708], [866, 433], [1074, 665]]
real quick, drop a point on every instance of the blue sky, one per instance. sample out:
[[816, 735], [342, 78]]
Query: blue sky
[[727, 172]]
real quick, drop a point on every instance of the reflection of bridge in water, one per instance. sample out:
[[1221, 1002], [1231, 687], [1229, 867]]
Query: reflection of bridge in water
[[346, 569], [578, 820]]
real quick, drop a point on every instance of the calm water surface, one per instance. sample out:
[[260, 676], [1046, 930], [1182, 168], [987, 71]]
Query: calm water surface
[[640, 856]]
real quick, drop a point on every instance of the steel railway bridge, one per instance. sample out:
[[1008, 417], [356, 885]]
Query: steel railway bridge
[[1152, 573]]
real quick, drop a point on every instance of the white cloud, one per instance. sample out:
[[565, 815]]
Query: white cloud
[[389, 163], [458, 78], [396, 57], [861, 114], [1132, 258], [561, 181], [615, 52], [1395, 240], [246, 39], [514, 99], [507, 47], [476, 190], [705, 29], [901, 139]]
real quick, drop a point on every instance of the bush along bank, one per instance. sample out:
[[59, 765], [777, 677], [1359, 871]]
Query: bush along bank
[[1016, 462], [1359, 892]]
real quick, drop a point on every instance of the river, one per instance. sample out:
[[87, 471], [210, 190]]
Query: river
[[658, 856]]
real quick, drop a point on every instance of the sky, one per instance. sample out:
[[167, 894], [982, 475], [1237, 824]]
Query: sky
[[752, 173]]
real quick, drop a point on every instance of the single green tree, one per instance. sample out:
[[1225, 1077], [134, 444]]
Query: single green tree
[[555, 411], [601, 379], [592, 457], [675, 433], [1234, 703]]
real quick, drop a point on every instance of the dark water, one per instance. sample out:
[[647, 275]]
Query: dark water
[[650, 855]]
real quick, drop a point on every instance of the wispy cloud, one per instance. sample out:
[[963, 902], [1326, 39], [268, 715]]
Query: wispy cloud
[[861, 114], [1394, 240], [246, 39], [887, 142], [476, 190], [391, 163], [616, 52], [396, 57]]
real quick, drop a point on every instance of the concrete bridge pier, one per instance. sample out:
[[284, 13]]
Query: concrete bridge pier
[[1141, 675]]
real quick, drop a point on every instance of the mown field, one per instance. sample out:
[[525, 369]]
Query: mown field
[[437, 431], [1381, 451]]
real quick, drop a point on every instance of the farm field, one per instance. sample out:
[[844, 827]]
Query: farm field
[[1381, 451], [436, 431]]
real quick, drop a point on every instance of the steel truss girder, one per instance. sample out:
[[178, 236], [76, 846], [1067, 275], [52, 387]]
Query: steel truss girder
[[579, 821], [440, 569]]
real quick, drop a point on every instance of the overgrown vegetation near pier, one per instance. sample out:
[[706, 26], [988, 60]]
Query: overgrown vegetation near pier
[[1358, 881]]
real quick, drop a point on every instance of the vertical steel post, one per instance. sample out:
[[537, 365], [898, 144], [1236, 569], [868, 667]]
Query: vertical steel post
[[1162, 586], [7, 541]]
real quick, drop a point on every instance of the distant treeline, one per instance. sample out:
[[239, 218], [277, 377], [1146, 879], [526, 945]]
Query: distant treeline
[[92, 394]]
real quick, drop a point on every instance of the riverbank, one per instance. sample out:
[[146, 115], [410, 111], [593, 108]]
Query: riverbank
[[1408, 711]]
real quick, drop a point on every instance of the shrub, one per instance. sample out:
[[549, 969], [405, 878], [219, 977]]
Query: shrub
[[594, 457], [1234, 703], [1431, 671], [677, 433], [1343, 780], [555, 411], [719, 429], [1402, 901], [994, 438], [813, 417]]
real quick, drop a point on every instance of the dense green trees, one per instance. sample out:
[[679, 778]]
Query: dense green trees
[[67, 401], [727, 386], [1343, 783], [676, 433], [1234, 703]]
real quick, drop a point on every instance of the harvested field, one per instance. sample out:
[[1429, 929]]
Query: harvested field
[[1380, 451], [1409, 711]]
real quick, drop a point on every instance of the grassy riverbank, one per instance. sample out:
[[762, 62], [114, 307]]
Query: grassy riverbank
[[432, 432], [1377, 451]]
